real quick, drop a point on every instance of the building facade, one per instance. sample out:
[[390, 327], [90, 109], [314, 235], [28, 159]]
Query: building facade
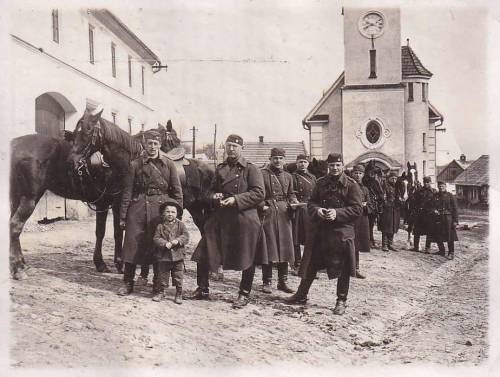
[[67, 60], [378, 109]]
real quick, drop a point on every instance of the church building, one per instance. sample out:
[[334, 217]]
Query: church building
[[378, 108]]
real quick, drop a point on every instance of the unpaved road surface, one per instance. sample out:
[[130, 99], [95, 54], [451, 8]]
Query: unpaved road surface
[[412, 308]]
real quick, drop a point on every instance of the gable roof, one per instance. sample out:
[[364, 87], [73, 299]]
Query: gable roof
[[121, 30], [476, 174], [258, 153], [411, 64]]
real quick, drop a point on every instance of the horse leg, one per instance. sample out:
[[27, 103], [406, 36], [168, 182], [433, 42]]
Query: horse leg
[[100, 231], [118, 233], [18, 219]]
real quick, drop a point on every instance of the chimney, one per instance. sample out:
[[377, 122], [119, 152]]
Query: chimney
[[261, 139], [462, 158]]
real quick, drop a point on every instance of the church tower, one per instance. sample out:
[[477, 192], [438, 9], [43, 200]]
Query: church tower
[[373, 93]]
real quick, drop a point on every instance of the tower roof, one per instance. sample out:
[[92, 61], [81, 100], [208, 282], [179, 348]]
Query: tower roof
[[411, 64]]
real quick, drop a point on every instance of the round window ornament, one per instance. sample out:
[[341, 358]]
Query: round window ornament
[[373, 133], [372, 24]]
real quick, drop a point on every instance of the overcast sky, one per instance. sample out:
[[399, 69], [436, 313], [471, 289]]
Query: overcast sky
[[258, 67]]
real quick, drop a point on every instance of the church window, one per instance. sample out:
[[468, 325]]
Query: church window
[[424, 168], [424, 143], [91, 44], [129, 71], [425, 86], [373, 132], [373, 64], [113, 59], [130, 125], [410, 92]]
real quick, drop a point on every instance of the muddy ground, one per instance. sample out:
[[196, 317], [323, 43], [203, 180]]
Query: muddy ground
[[412, 308]]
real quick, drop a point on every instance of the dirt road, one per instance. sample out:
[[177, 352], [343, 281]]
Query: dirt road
[[411, 308]]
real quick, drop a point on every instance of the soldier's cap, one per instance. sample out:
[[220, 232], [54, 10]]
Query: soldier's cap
[[302, 157], [171, 202], [233, 138], [152, 134], [441, 183], [334, 157], [392, 174], [427, 179], [358, 167], [277, 152]]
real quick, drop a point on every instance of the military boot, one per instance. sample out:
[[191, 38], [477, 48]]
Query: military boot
[[339, 307], [126, 289], [266, 287], [241, 301], [199, 294], [390, 241], [178, 295], [282, 286], [300, 297], [385, 242]]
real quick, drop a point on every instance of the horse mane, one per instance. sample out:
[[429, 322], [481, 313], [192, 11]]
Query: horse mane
[[114, 134]]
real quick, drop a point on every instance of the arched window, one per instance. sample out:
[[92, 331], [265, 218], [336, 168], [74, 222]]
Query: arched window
[[373, 132]]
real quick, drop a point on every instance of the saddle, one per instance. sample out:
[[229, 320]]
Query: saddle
[[177, 156]]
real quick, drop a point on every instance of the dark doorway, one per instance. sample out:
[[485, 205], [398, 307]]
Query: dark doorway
[[49, 116]]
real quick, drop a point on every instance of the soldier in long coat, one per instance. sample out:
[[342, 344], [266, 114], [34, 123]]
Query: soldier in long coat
[[424, 212], [362, 224], [151, 180], [304, 183], [335, 204], [277, 221], [446, 220], [390, 218], [233, 231]]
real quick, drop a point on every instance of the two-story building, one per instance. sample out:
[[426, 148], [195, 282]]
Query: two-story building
[[67, 60]]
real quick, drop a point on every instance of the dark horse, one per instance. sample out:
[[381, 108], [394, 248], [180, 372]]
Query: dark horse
[[38, 164], [95, 134], [407, 185], [373, 181]]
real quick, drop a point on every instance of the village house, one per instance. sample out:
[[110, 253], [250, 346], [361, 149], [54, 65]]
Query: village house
[[67, 60], [378, 108], [259, 152], [473, 183]]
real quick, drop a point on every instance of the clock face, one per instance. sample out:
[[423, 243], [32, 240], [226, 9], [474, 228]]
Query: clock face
[[372, 24]]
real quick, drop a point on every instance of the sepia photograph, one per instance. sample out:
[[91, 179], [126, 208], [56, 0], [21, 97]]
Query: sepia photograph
[[249, 187]]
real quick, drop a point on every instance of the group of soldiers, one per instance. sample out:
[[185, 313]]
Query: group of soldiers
[[258, 217]]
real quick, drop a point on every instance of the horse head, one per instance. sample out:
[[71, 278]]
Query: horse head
[[169, 138], [86, 138], [318, 168], [412, 175]]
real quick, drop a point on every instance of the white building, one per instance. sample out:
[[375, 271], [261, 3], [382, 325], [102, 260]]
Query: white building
[[378, 108], [68, 59]]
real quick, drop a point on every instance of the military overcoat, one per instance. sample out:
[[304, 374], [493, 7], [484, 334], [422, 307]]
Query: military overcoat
[[362, 224], [304, 183], [148, 184], [447, 215], [231, 234], [278, 246], [424, 211], [330, 244], [390, 217]]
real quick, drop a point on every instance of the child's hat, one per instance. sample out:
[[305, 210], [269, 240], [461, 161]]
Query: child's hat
[[171, 202]]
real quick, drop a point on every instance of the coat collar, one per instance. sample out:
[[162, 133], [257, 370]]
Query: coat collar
[[241, 161], [342, 179], [146, 159]]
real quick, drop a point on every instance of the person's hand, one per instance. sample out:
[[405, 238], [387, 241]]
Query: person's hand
[[331, 214], [322, 213], [363, 204], [168, 245], [218, 195], [295, 201], [123, 224], [175, 242], [265, 208], [231, 201]]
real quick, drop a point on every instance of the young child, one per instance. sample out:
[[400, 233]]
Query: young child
[[170, 238]]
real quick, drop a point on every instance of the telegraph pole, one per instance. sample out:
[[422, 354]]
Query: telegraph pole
[[194, 129], [215, 143]]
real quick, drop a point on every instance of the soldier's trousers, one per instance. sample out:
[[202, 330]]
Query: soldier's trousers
[[451, 247], [202, 278], [342, 282], [297, 255], [267, 272]]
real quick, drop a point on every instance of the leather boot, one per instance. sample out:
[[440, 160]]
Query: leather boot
[[241, 301], [158, 296], [282, 286], [126, 289], [339, 307], [266, 287], [390, 241], [300, 297], [451, 256], [385, 242], [199, 294], [178, 295], [359, 275]]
